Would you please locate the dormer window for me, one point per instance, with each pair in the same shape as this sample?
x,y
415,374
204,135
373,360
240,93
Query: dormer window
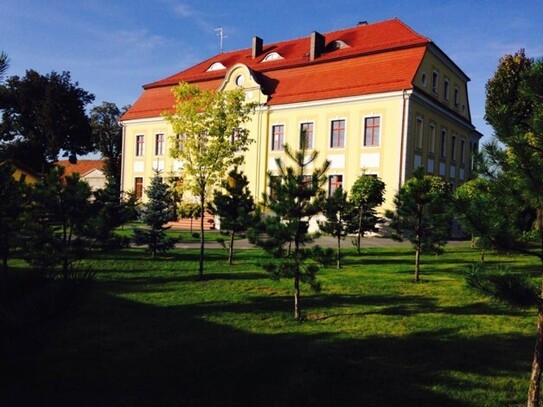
x,y
337,44
217,66
272,56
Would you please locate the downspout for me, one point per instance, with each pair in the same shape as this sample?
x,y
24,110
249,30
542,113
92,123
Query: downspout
x,y
403,139
123,156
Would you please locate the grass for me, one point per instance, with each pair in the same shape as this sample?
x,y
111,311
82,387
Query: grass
x,y
150,333
184,235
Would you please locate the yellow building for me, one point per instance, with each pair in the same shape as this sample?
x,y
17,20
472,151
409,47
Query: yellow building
x,y
22,172
378,98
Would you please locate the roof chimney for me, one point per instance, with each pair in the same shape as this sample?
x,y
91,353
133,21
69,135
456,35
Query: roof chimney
x,y
317,45
258,45
362,23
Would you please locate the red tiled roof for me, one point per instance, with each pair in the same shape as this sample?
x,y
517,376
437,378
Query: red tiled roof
x,y
83,167
380,57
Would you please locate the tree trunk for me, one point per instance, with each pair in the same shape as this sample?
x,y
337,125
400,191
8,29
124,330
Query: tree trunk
x,y
535,377
231,249
338,254
417,264
359,236
202,207
297,307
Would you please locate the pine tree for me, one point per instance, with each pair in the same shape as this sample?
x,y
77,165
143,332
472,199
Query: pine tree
x,y
512,170
156,213
366,193
12,205
293,202
340,219
235,207
59,212
422,214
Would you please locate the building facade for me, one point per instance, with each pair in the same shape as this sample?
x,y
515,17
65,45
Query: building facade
x,y
376,98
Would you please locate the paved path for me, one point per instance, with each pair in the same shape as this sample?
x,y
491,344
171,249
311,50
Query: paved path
x,y
323,241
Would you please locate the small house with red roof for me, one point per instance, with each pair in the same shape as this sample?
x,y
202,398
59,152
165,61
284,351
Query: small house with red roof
x,y
91,171
376,98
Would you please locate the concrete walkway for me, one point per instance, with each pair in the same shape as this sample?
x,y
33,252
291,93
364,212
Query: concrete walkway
x,y
323,241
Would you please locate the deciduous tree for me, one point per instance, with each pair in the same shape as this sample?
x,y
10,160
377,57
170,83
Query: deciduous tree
x,y
366,194
210,140
43,115
340,219
107,133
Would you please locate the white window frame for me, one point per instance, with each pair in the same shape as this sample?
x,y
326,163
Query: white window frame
x,y
330,133
281,147
312,146
371,116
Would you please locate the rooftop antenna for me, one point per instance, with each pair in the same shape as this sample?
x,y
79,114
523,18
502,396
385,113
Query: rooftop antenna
x,y
220,33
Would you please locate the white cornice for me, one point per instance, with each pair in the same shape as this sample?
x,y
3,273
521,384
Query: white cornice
x,y
438,106
142,121
340,101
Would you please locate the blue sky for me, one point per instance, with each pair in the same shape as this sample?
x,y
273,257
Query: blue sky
x,y
113,47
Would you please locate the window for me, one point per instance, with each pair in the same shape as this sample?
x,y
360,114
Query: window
x,y
273,181
307,129
308,180
334,182
217,66
179,142
453,147
278,137
140,145
432,139
138,187
159,144
419,132
456,96
372,131
337,134
435,82
443,143
272,56
462,147
446,89
234,137
423,79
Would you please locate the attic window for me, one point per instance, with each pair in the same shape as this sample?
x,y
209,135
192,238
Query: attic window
x,y
272,56
337,44
217,66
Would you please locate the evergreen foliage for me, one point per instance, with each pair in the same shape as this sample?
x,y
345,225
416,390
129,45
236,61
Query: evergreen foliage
x,y
293,201
235,207
512,168
156,213
12,204
422,214
58,214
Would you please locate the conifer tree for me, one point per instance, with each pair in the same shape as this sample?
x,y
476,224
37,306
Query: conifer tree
x,y
12,205
340,219
366,194
422,214
512,170
57,217
235,207
156,213
293,202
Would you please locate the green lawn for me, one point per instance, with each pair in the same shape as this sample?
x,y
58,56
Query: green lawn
x,y
150,333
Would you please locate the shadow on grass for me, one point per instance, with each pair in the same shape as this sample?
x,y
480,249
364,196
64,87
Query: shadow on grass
x,y
123,353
